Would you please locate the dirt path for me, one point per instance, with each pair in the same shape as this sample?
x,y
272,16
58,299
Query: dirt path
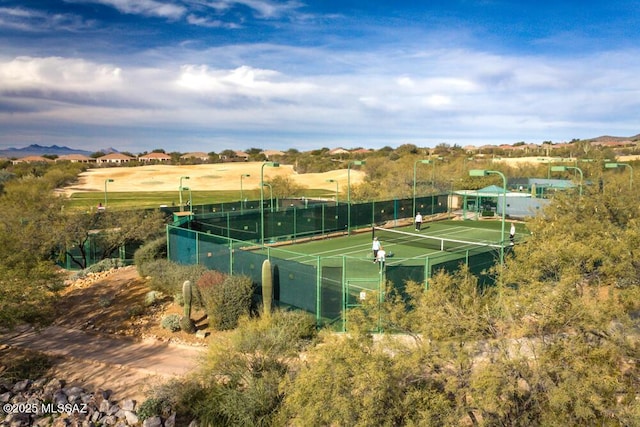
x,y
122,365
102,346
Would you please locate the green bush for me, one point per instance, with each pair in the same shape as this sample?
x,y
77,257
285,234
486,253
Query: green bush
x,y
171,322
154,407
104,265
150,251
168,277
227,302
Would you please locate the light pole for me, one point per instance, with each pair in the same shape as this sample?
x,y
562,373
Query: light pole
x,y
180,190
566,168
357,163
105,190
622,165
433,171
270,196
244,175
190,199
336,181
483,172
415,164
273,165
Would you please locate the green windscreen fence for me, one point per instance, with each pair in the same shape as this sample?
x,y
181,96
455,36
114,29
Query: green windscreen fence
x,y
280,223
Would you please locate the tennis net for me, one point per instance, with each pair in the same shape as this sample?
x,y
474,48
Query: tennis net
x,y
400,237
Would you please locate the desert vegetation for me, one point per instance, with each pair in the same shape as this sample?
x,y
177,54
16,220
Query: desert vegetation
x,y
554,342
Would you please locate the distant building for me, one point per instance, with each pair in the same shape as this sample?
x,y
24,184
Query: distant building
x,y
155,157
238,156
361,151
75,158
198,155
338,150
31,159
116,158
270,154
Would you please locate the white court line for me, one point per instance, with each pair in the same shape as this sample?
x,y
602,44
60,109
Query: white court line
x,y
339,251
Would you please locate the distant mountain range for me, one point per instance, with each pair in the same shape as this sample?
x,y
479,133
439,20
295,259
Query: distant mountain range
x,y
39,150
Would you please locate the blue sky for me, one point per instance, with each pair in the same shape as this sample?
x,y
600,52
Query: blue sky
x,y
208,75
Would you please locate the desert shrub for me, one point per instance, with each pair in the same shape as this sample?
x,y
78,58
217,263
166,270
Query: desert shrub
x,y
282,333
167,276
104,265
249,367
135,310
226,303
152,298
185,396
154,407
28,366
171,322
150,251
105,301
210,280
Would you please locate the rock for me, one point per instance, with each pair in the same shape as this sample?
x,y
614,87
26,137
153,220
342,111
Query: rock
x,y
97,409
128,404
104,406
73,391
202,334
171,421
59,398
131,417
153,422
21,386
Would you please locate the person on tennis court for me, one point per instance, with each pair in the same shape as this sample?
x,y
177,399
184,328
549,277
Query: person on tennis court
x,y
418,221
512,233
381,256
375,247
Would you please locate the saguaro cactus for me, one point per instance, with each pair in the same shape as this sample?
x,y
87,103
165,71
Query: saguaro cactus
x,y
267,287
186,324
187,296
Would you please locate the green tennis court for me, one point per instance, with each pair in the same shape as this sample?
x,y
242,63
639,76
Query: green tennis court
x,y
437,243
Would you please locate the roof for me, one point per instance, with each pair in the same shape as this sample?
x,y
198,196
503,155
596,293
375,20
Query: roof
x,y
195,154
32,159
115,156
76,157
338,151
543,182
268,153
155,156
491,191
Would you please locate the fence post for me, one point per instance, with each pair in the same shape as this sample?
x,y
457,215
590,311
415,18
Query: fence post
x,y
318,292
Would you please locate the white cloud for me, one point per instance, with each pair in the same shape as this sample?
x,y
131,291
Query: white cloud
x,y
456,96
55,73
265,9
242,81
31,20
146,8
